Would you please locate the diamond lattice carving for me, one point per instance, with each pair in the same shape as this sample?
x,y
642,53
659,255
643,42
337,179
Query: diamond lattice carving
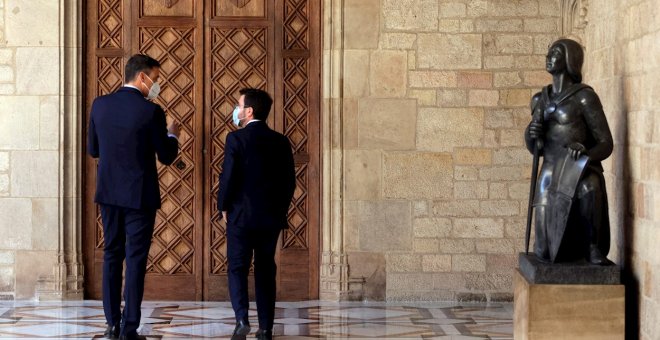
x,y
238,60
110,75
109,23
296,103
172,250
296,235
296,25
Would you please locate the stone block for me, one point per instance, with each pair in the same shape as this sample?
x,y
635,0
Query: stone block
x,y
500,173
388,73
436,263
452,98
409,281
537,78
471,190
453,10
424,97
543,41
449,25
449,51
468,156
387,123
501,263
544,25
362,174
397,263
467,26
466,173
516,8
456,246
477,80
495,25
456,208
477,8
499,208
518,97
507,79
7,89
49,123
489,281
498,62
401,175
497,246
350,121
511,44
397,41
385,226
442,129
4,185
519,191
498,118
34,174
449,281
33,77
30,266
510,156
6,74
431,227
512,137
356,73
498,191
370,266
45,227
420,209
6,56
20,121
6,279
550,311
478,228
468,263
483,98
6,257
16,223
410,15
532,62
21,28
432,79
425,245
358,32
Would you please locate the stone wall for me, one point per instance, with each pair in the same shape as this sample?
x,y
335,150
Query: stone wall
x,y
623,65
29,144
436,178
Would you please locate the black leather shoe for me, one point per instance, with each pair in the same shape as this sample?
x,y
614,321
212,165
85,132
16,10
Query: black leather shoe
x,y
135,337
264,334
242,329
112,332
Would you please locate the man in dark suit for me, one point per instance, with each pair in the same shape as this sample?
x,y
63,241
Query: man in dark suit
x,y
126,132
256,188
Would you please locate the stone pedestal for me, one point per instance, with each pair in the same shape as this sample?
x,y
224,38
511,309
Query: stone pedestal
x,y
567,311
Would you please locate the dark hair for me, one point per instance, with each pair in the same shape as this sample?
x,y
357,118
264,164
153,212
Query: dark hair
x,y
259,100
574,56
139,63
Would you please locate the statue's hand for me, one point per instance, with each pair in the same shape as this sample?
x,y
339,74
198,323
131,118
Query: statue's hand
x,y
576,150
536,130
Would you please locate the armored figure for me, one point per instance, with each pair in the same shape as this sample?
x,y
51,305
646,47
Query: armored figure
x,y
570,132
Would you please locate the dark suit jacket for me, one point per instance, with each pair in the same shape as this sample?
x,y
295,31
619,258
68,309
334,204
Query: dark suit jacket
x,y
258,178
126,132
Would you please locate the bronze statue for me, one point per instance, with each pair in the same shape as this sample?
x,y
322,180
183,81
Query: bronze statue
x,y
570,132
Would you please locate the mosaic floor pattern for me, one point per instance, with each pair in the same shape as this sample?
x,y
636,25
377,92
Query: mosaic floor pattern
x,y
293,320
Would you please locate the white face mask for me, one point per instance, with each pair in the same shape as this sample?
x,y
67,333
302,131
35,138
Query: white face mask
x,y
154,90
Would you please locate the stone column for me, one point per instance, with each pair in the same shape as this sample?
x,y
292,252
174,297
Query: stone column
x,y
66,282
335,283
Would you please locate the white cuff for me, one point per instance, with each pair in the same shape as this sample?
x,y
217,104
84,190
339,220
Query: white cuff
x,y
173,136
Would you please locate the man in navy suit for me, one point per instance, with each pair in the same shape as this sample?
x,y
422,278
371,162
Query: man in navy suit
x,y
256,188
126,132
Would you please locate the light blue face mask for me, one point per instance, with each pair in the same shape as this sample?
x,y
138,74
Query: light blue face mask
x,y
234,117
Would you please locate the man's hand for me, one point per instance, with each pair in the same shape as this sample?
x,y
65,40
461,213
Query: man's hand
x,y
174,129
224,216
536,130
576,150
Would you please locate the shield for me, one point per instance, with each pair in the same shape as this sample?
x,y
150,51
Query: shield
x,y
566,176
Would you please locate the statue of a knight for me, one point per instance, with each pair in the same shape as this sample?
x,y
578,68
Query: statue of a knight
x,y
571,134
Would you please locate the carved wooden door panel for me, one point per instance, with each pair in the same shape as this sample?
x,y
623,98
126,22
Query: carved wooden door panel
x,y
209,50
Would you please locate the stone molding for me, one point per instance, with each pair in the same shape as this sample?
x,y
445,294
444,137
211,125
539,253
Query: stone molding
x,y
574,19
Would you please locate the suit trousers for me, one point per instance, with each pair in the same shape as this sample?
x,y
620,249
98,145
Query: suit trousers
x,y
127,234
241,244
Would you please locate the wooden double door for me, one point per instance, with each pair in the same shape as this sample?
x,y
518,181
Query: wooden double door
x,y
209,50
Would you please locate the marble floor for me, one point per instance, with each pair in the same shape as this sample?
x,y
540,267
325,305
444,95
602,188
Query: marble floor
x,y
294,320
